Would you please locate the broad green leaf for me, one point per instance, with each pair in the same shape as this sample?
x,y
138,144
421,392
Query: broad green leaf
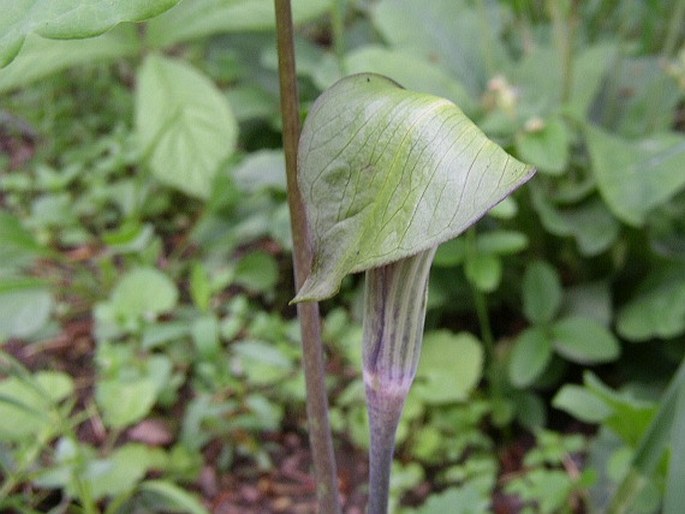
x,y
185,126
387,173
414,73
450,32
658,309
463,500
121,471
25,307
205,333
257,271
450,253
653,99
634,177
123,402
585,341
590,300
18,247
550,489
501,242
630,416
143,293
530,356
40,57
449,368
174,495
582,404
589,223
484,271
542,293
546,147
263,169
68,19
194,19
26,404
262,363
538,79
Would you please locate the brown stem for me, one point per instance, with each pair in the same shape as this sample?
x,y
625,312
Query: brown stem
x,y
320,438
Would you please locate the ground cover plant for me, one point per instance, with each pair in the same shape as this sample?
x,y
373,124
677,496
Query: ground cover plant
x,y
150,360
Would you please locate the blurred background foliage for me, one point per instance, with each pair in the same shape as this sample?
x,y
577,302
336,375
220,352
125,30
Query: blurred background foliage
x,y
148,355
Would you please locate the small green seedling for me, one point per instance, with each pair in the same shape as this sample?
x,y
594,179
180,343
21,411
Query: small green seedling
x,y
387,175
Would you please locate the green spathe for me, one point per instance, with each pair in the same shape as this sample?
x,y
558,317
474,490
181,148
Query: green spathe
x,y
386,173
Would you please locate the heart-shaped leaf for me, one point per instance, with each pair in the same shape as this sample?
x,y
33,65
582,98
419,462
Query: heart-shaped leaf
x,y
185,125
386,173
634,177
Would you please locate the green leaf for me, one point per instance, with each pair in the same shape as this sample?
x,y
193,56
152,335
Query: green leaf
x,y
658,309
654,96
184,123
387,173
19,248
200,286
501,242
121,471
675,492
634,177
68,19
449,32
463,500
261,362
40,57
484,271
584,340
263,169
546,147
125,402
630,416
177,497
257,271
414,73
25,307
550,489
143,293
542,293
589,223
450,253
200,18
450,367
589,300
582,404
538,79
205,333
530,356
26,404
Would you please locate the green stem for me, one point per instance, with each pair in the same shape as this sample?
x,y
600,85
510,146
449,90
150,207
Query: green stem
x,y
338,10
650,451
480,300
674,29
563,21
320,438
394,315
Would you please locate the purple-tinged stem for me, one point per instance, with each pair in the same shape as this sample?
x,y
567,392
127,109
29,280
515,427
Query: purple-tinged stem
x,y
394,315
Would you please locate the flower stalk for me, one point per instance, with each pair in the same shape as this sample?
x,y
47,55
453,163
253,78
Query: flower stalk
x,y
394,315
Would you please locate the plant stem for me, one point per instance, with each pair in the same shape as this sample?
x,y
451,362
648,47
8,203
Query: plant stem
x,y
651,448
394,316
338,11
677,19
320,439
563,22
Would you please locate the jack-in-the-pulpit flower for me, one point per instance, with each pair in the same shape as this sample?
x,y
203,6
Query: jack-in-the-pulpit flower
x,y
387,175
